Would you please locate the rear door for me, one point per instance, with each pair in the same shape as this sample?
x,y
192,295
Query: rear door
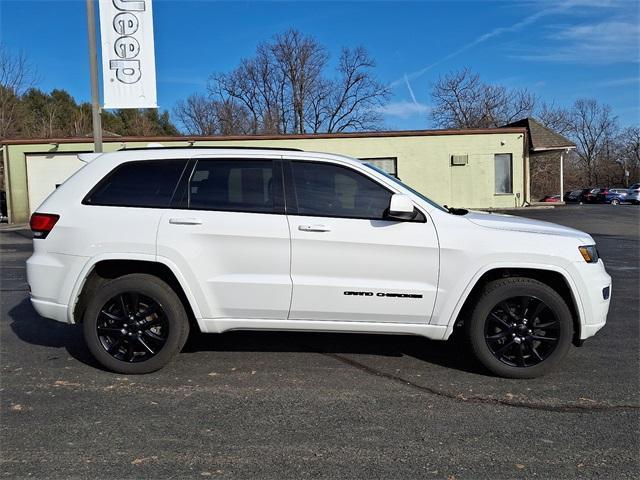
x,y
228,235
348,261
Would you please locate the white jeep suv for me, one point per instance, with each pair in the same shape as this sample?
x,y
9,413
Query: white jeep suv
x,y
141,245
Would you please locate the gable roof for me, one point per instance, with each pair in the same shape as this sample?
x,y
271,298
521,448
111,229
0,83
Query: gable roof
x,y
542,138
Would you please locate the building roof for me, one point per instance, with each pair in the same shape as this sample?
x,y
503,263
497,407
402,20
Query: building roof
x,y
540,137
191,138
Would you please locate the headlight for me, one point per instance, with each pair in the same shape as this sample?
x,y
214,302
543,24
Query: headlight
x,y
589,253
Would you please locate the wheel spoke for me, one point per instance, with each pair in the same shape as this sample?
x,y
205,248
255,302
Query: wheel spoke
x,y
496,337
544,339
125,312
144,344
110,331
537,311
521,355
501,321
129,356
526,301
546,325
149,310
115,346
153,336
535,352
504,348
111,315
508,311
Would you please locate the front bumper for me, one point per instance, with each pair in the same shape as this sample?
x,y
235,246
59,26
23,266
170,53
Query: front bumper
x,y
594,281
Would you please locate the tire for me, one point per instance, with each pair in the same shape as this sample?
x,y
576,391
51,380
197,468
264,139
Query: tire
x,y
150,313
527,350
615,201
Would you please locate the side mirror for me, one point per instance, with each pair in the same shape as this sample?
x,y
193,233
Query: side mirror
x,y
401,207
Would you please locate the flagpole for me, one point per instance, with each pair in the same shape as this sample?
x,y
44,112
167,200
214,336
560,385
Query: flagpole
x,y
93,67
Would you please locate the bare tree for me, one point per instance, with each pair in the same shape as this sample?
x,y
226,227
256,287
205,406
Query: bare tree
x,y
301,59
462,100
593,129
556,118
197,115
284,89
629,154
16,76
354,100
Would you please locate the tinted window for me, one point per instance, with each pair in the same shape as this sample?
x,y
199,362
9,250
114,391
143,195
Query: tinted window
x,y
232,185
139,184
329,190
503,171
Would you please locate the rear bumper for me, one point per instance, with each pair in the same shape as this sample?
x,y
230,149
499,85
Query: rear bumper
x,y
46,309
51,278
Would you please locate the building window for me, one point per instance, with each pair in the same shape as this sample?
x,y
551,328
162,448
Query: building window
x,y
388,164
504,173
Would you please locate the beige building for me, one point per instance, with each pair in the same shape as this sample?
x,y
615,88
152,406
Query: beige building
x,y
482,168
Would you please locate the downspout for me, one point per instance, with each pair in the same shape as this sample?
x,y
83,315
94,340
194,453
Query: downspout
x,y
526,200
7,182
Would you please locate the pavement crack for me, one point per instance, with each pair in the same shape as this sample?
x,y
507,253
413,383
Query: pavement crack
x,y
564,408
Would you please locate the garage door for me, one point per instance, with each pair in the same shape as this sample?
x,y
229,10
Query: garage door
x,y
45,172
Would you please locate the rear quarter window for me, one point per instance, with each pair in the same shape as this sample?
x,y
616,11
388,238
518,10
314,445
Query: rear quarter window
x,y
138,184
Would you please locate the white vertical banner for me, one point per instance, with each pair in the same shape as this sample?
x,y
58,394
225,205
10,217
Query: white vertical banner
x,y
128,57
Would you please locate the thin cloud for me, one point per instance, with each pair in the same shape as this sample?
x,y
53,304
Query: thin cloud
x,y
553,10
404,109
611,41
619,82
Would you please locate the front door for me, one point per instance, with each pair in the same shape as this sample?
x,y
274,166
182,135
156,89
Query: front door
x,y
229,236
348,261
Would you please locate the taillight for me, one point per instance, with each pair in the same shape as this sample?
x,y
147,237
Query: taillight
x,y
42,223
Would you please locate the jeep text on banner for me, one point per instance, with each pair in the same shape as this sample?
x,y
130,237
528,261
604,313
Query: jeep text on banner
x,y
128,59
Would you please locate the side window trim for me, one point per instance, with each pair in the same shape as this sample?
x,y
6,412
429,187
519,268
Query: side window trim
x,y
292,199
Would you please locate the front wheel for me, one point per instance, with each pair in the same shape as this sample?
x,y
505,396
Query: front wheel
x,y
615,201
135,324
520,328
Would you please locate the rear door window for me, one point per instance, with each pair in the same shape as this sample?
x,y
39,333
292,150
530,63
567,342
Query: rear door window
x,y
139,184
232,185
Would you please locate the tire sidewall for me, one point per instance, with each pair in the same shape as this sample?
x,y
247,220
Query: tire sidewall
x,y
160,292
508,288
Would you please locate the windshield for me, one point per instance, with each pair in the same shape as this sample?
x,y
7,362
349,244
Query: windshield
x,y
415,192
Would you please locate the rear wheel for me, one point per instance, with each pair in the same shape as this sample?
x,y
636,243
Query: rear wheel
x,y
615,201
520,328
135,324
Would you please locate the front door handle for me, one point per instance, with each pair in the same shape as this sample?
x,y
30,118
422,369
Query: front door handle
x,y
185,221
313,228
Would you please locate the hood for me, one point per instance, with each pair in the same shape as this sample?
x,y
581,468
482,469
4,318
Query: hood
x,y
520,224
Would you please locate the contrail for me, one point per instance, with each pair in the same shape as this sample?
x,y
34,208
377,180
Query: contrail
x,y
484,37
413,97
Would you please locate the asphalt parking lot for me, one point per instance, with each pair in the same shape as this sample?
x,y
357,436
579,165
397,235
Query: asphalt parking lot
x,y
285,405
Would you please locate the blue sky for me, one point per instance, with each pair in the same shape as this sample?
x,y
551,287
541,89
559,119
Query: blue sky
x,y
559,50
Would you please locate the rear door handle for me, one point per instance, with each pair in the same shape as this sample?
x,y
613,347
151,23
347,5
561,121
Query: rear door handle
x,y
313,228
185,221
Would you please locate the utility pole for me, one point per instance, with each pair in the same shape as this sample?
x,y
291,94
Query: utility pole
x,y
93,67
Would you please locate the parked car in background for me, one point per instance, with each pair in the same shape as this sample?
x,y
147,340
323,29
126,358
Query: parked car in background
x,y
614,196
633,194
589,195
574,196
550,199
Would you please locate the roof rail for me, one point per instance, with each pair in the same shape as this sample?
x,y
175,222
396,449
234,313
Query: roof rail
x,y
209,147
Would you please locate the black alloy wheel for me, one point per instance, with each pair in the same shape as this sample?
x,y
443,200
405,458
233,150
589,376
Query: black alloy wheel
x,y
132,327
522,331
